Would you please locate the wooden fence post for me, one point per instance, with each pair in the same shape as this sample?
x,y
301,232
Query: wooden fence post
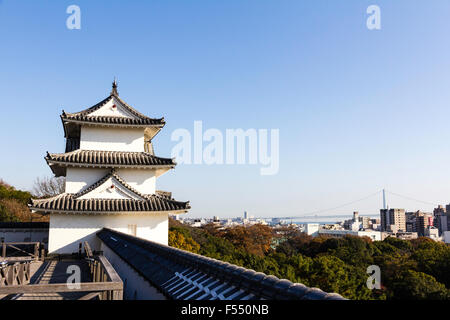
x,y
36,251
42,253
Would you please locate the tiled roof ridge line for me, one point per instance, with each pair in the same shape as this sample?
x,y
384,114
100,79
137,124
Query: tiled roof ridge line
x,y
133,110
51,156
90,109
33,201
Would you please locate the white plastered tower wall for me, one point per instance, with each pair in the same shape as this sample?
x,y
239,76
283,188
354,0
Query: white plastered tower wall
x,y
96,181
142,180
118,139
68,230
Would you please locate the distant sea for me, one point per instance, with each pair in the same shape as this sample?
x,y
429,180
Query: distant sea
x,y
323,219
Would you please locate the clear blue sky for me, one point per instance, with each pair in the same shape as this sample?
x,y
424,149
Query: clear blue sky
x,y
357,110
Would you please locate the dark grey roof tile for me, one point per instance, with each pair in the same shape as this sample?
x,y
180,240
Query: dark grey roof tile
x,y
110,159
68,203
315,294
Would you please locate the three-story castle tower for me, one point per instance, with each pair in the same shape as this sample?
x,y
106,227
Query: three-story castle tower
x,y
111,173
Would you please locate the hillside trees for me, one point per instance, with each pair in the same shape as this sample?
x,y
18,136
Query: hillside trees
x,y
13,205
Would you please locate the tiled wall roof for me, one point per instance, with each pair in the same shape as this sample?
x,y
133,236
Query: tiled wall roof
x,y
183,275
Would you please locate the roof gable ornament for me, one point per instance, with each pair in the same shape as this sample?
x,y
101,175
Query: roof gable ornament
x,y
131,118
114,91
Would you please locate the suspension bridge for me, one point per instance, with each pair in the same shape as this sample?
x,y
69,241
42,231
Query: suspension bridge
x,y
382,192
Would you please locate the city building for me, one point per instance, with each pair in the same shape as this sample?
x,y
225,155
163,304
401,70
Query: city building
x,y
332,226
358,222
197,222
411,221
312,229
354,223
439,210
446,236
111,173
418,221
441,219
423,221
400,235
393,220
373,235
432,233
366,222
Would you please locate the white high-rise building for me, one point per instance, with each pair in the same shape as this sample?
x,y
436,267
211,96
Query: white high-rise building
x,y
111,173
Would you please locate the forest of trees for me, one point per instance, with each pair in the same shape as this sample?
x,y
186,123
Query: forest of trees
x,y
415,269
13,202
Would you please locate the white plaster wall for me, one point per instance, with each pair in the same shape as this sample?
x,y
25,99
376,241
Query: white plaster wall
x,y
108,110
79,178
143,180
67,231
111,189
135,286
112,139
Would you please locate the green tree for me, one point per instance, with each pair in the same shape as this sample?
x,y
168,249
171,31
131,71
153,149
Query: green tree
x,y
415,285
178,240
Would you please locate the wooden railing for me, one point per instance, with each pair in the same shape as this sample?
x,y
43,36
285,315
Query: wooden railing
x,y
106,283
17,273
16,252
103,272
94,288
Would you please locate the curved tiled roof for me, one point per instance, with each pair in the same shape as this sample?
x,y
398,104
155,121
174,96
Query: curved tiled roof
x,y
108,158
139,120
71,202
67,202
182,275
